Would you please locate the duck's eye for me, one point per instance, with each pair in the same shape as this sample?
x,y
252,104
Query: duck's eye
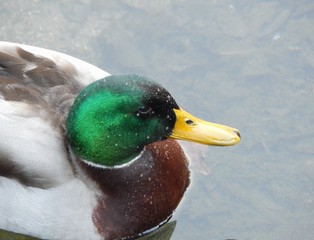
x,y
144,110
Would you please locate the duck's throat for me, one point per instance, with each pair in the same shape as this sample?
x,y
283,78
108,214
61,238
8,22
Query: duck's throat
x,y
113,163
140,195
106,154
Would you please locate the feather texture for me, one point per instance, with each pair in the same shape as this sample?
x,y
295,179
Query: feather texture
x,y
41,186
36,92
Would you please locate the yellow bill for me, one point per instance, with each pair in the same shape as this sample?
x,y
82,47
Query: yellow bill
x,y
190,128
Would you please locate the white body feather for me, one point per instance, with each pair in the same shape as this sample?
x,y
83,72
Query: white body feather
x,y
37,211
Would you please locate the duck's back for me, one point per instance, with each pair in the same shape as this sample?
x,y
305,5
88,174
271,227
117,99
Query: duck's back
x,y
37,88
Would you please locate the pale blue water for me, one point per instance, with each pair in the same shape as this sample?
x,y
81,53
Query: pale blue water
x,y
248,64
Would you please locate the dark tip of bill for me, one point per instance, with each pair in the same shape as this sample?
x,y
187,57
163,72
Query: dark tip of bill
x,y
238,133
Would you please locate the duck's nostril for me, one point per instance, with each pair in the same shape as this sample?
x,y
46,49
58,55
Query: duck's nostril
x,y
189,121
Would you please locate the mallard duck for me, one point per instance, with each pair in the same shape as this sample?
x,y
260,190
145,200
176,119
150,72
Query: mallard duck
x,y
89,155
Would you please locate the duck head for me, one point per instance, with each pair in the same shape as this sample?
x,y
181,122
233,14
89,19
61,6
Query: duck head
x,y
113,119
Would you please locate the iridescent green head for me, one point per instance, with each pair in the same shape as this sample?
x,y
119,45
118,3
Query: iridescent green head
x,y
114,118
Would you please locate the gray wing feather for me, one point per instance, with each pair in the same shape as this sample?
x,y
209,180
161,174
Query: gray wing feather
x,y
37,89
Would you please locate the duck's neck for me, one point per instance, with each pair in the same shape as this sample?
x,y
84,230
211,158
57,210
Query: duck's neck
x,y
141,195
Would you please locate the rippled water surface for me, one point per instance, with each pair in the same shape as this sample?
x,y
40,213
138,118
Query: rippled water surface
x,y
248,64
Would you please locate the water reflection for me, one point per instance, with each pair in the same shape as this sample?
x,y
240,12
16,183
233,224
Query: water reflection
x,y
164,232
